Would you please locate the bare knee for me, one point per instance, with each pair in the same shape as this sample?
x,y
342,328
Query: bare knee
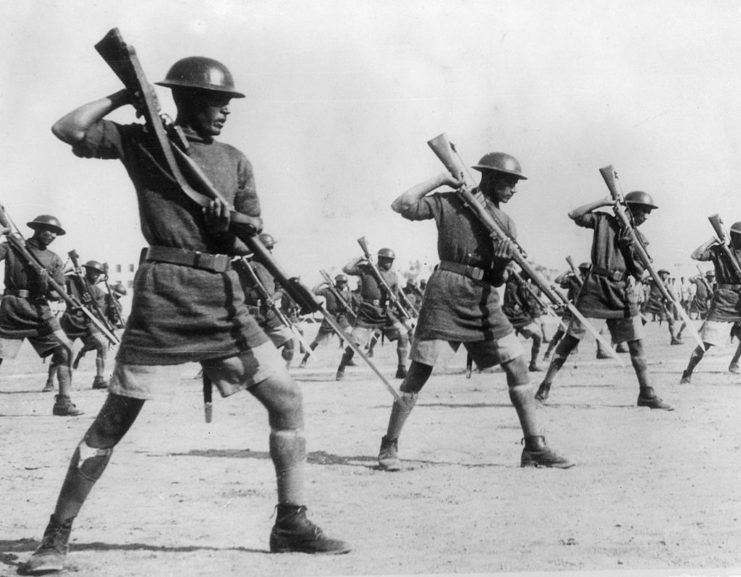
x,y
115,418
516,371
283,400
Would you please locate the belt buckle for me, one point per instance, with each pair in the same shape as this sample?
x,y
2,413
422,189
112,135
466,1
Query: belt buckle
x,y
221,262
616,275
474,272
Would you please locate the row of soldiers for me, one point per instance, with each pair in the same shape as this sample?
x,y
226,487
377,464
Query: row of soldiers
x,y
189,303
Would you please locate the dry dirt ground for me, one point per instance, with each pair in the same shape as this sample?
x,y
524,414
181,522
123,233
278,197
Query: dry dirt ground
x,y
652,492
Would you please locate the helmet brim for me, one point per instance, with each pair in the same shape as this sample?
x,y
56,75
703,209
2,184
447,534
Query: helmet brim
x,y
41,226
482,168
213,88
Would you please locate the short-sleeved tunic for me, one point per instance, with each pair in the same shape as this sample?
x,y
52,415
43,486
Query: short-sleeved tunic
x,y
22,317
180,313
607,294
725,305
456,307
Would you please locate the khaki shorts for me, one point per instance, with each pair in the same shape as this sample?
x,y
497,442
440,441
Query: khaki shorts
x,y
529,330
484,353
229,375
43,345
715,333
361,335
621,330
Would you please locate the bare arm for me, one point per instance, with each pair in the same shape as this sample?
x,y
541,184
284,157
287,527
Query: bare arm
x,y
351,268
72,126
589,207
702,252
417,192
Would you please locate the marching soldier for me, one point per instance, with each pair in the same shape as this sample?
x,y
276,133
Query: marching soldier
x,y
461,302
78,326
375,312
571,283
334,308
188,302
609,291
657,306
725,306
25,311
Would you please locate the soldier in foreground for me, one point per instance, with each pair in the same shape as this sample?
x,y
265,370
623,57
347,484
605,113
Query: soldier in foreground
x,y
188,304
461,302
25,311
725,306
609,292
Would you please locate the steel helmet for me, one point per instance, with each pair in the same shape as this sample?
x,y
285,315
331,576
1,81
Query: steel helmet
x,y
500,162
47,221
94,265
267,240
386,253
663,271
201,72
640,197
340,278
119,289
736,227
584,266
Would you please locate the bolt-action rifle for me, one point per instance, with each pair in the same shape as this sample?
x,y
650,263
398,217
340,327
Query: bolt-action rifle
x,y
622,212
547,307
344,305
396,300
723,242
18,244
173,161
115,305
446,152
87,294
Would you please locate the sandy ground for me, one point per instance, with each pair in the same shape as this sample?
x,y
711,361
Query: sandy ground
x,y
653,492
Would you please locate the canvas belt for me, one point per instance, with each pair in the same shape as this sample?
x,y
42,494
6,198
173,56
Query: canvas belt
x,y
467,270
20,293
732,287
375,302
615,275
191,258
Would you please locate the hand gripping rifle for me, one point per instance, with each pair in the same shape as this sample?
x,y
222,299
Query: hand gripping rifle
x,y
338,296
18,245
122,58
720,232
243,265
406,316
621,212
88,296
445,150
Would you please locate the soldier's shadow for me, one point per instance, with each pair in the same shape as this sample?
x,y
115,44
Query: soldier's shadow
x,y
9,548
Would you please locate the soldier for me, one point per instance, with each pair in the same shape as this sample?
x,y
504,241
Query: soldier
x,y
281,335
725,307
78,326
461,302
519,308
25,312
658,307
335,308
571,283
188,304
113,307
609,291
374,312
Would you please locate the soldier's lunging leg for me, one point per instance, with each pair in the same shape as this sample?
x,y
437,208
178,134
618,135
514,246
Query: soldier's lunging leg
x,y
695,359
563,350
89,460
647,397
417,376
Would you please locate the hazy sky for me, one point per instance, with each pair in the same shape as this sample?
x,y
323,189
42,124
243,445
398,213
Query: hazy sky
x,y
343,95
